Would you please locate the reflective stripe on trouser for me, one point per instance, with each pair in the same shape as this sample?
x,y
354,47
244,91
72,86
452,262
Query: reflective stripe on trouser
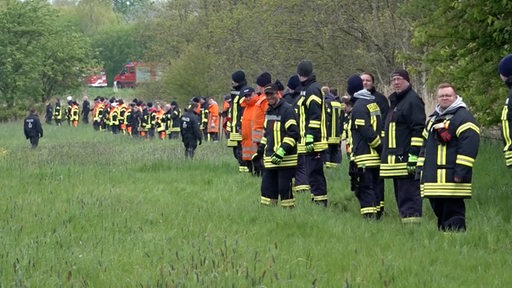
x,y
278,183
301,179
408,199
366,192
316,177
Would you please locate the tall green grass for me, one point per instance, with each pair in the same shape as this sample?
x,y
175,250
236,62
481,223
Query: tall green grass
x,y
92,209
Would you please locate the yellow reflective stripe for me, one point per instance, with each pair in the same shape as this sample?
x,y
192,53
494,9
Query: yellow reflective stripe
x,y
416,141
359,122
441,175
368,210
441,155
375,142
392,135
466,126
288,202
465,160
508,158
447,189
277,135
289,123
268,201
314,123
505,127
289,140
421,161
263,140
312,98
425,133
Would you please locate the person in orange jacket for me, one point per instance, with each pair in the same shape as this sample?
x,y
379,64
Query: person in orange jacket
x,y
213,120
259,117
249,147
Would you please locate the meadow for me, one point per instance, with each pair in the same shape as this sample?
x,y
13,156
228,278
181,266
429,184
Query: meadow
x,y
92,209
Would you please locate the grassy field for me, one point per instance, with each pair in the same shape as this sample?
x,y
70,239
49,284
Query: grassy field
x,y
91,209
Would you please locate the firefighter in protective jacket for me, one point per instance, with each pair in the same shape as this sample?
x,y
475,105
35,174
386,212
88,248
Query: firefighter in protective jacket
x,y
505,70
402,143
452,137
365,129
278,148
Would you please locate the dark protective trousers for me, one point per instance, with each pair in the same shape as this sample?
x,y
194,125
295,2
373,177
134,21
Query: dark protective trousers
x,y
450,212
366,192
190,143
34,141
408,198
332,154
316,177
277,183
301,178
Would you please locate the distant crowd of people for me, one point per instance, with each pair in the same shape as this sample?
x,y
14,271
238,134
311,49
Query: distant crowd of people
x,y
288,133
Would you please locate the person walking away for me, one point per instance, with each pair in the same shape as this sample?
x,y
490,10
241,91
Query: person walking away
x,y
316,142
190,132
32,128
278,148
401,146
445,165
505,70
366,145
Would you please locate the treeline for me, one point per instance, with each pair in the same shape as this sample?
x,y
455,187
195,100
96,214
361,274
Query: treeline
x,y
47,47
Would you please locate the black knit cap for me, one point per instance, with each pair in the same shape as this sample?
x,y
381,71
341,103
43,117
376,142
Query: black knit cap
x,y
305,68
293,82
354,84
238,76
505,66
264,79
402,73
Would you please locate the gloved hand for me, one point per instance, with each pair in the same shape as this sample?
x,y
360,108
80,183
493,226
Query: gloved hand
x,y
259,153
200,141
443,135
411,164
309,143
277,157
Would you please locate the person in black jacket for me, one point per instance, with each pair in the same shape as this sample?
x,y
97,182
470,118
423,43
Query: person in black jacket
x,y
49,112
86,109
293,97
505,70
383,103
402,143
190,132
452,138
32,128
278,148
365,131
315,134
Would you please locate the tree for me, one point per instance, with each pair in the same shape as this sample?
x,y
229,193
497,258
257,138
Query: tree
x,y
23,27
40,57
463,42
